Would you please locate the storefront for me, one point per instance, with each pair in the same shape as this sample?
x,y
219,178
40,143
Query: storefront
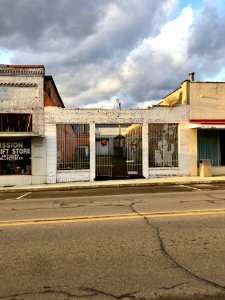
x,y
210,144
15,156
41,141
116,148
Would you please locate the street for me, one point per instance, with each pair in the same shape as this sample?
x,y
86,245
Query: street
x,y
156,242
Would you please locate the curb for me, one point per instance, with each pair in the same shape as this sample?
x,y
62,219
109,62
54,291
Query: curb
x,y
55,187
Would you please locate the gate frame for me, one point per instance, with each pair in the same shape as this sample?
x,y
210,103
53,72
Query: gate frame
x,y
145,157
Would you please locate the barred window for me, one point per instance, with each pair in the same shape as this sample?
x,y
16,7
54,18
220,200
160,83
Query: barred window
x,y
163,145
73,147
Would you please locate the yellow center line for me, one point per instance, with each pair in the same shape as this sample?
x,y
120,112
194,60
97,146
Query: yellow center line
x,y
91,218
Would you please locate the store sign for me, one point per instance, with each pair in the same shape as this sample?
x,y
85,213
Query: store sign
x,y
15,151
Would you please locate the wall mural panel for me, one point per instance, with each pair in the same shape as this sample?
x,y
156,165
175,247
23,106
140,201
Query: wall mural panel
x,y
163,145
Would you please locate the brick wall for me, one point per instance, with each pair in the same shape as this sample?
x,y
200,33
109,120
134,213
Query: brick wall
x,y
51,94
179,114
55,115
21,91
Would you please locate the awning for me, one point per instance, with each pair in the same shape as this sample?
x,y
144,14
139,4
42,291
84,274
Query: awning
x,y
207,124
9,134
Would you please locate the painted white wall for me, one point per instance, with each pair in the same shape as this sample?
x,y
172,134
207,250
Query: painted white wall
x,y
38,160
145,169
22,91
184,157
56,115
179,114
163,172
51,147
92,151
15,180
73,175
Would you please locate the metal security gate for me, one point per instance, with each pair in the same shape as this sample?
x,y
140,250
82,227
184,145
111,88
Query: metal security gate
x,y
118,150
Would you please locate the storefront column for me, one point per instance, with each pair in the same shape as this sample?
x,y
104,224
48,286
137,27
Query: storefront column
x,y
145,168
194,152
38,152
92,152
51,145
185,150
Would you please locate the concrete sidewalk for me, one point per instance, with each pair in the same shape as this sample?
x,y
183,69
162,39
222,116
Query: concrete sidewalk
x,y
115,183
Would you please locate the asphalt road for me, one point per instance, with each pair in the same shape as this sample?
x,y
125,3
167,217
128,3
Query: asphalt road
x,y
127,243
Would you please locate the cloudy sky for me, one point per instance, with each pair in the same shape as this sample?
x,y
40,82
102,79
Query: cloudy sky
x,y
100,50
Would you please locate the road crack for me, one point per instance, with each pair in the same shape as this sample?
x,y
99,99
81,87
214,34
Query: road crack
x,y
119,297
168,256
172,286
89,292
216,198
49,291
73,204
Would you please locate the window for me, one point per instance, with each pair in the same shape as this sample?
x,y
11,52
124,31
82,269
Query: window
x,y
15,122
15,156
211,145
163,145
73,150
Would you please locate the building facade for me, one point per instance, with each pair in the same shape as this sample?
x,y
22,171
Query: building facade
x,y
24,92
98,143
206,101
41,141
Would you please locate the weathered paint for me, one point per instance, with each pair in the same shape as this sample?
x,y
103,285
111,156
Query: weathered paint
x,y
179,114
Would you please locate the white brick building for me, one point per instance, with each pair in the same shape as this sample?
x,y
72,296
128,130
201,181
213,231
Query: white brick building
x,y
43,142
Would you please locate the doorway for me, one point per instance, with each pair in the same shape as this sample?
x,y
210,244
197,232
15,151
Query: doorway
x,y
211,145
118,151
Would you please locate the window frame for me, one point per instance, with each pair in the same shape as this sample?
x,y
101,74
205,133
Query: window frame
x,y
163,145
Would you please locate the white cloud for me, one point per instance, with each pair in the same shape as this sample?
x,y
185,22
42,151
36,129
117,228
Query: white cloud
x,y
107,104
152,64
101,50
5,56
146,104
108,85
173,36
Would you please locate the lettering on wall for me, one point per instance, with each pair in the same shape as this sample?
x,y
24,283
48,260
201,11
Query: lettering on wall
x,y
13,151
15,157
